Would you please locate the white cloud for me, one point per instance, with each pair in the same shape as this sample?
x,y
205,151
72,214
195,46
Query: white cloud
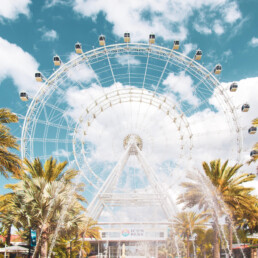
x,y
79,99
18,65
125,59
226,55
61,153
231,13
188,48
167,19
51,3
212,136
247,92
236,29
183,85
114,124
253,42
49,35
202,29
80,73
218,28
11,9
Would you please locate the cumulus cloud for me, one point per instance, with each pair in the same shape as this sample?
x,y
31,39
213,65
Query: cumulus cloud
x,y
231,12
165,18
226,55
226,147
210,128
51,3
48,35
19,65
80,73
247,93
79,99
183,85
202,29
253,42
127,59
188,48
61,153
11,9
214,138
150,123
212,135
218,28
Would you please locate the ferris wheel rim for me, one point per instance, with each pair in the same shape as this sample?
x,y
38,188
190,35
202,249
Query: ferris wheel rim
x,y
50,82
164,104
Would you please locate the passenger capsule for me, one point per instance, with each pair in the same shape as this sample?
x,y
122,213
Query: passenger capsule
x,y
57,60
198,55
252,130
24,96
218,69
127,37
152,39
176,45
102,40
245,108
233,87
39,77
78,48
254,153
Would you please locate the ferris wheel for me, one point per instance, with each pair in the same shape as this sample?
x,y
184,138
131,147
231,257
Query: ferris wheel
x,y
130,116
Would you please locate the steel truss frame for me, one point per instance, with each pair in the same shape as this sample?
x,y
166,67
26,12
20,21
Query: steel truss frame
x,y
117,97
134,49
105,195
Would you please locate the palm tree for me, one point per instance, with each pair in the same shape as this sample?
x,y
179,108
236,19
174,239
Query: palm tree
x,y
247,219
42,198
9,162
229,188
5,218
74,237
51,171
204,241
88,229
39,205
187,222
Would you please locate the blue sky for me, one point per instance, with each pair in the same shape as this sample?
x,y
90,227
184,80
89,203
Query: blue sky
x,y
32,32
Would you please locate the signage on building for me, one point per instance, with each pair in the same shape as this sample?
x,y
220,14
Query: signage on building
x,y
125,232
132,233
33,240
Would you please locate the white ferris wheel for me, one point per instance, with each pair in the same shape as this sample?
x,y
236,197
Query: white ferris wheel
x,y
130,117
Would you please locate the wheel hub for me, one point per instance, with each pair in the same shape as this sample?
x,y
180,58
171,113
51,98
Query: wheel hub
x,y
132,140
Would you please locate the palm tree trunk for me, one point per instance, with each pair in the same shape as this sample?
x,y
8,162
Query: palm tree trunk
x,y
8,237
29,254
188,246
204,253
230,235
216,249
44,243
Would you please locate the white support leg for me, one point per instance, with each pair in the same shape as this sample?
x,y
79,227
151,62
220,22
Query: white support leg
x,y
95,208
167,204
